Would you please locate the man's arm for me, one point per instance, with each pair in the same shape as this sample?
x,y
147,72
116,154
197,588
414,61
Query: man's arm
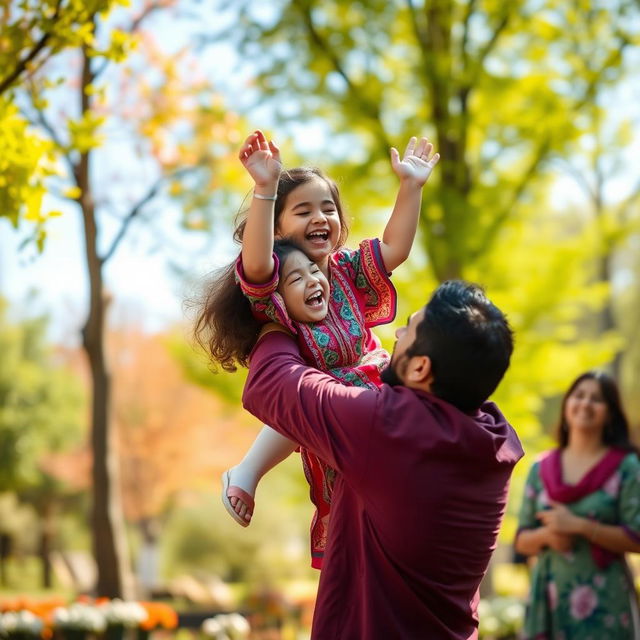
x,y
308,406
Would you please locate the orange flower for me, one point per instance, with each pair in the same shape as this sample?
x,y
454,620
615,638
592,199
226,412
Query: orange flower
x,y
159,615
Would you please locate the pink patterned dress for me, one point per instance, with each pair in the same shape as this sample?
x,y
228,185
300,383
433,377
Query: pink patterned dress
x,y
361,296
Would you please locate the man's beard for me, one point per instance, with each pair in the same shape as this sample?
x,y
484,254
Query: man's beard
x,y
390,377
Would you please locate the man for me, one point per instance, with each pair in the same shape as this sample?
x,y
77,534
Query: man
x,y
424,466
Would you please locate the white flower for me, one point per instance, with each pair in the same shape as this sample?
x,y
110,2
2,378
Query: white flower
x,y
227,626
23,622
80,616
8,622
127,614
212,628
237,627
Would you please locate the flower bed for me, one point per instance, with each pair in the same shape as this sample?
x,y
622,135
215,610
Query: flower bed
x,y
106,619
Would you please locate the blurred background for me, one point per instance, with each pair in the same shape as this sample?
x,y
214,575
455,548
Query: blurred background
x,y
120,123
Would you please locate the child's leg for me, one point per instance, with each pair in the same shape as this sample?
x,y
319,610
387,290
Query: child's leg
x,y
267,450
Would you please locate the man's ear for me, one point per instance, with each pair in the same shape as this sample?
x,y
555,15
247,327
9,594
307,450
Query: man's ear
x,y
419,370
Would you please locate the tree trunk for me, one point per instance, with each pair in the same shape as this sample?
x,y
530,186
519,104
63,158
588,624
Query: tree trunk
x,y
5,552
109,541
46,536
607,320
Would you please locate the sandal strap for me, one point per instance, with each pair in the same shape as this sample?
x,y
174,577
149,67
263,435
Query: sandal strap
x,y
237,492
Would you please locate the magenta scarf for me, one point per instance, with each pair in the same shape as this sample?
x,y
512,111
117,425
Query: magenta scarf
x,y
558,491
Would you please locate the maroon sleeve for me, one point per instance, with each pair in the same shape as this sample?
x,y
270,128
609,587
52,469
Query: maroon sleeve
x,y
308,406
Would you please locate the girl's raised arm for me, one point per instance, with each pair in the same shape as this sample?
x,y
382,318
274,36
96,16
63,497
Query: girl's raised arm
x,y
262,160
414,170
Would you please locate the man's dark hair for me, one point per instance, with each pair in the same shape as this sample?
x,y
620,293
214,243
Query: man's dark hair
x,y
469,342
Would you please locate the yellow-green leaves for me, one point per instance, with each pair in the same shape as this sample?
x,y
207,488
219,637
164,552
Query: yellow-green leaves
x,y
84,134
26,160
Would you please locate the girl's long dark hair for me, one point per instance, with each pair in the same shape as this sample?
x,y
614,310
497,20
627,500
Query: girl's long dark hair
x,y
616,431
225,327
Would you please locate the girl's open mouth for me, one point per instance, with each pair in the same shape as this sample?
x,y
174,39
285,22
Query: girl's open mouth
x,y
315,299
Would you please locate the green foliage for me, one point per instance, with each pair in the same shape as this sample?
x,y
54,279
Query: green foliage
x,y
31,33
26,160
202,537
227,386
502,88
40,404
508,92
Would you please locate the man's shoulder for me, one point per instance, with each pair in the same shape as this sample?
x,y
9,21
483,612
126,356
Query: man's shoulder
x,y
435,423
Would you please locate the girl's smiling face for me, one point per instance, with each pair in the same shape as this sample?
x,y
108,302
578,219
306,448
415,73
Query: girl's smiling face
x,y
304,288
310,217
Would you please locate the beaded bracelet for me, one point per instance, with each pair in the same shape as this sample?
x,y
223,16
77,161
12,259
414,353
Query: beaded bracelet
x,y
261,197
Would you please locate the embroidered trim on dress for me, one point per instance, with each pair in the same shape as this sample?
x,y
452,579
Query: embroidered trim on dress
x,y
382,300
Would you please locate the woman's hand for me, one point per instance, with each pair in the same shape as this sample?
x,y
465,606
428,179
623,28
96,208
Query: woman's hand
x,y
262,160
560,542
417,162
560,520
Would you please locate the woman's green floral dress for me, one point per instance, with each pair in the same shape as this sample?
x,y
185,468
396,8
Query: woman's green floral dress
x,y
571,597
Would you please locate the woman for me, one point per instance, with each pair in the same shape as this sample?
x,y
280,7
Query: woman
x,y
580,515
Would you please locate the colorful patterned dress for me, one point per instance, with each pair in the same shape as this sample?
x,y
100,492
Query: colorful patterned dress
x,y
361,296
588,592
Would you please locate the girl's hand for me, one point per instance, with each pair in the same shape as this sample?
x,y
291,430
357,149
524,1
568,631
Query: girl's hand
x,y
262,160
417,162
561,520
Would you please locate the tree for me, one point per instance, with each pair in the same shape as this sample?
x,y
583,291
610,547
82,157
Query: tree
x,y
614,218
499,84
503,89
173,436
102,84
40,414
32,32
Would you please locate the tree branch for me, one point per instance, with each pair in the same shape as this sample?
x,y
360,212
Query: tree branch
x,y
490,45
137,208
491,231
465,35
372,110
418,30
133,27
21,66
581,180
41,119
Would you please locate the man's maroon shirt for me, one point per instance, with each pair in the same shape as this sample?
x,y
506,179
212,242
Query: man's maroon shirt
x,y
416,506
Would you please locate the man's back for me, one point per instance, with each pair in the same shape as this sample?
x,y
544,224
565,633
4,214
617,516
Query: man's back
x,y
417,522
417,504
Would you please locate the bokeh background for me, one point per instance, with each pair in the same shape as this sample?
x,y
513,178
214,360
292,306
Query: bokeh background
x,y
119,183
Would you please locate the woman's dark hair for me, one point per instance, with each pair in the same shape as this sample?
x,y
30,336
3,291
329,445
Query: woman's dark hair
x,y
616,430
225,326
289,180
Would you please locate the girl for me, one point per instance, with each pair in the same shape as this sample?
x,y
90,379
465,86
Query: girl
x,y
304,205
